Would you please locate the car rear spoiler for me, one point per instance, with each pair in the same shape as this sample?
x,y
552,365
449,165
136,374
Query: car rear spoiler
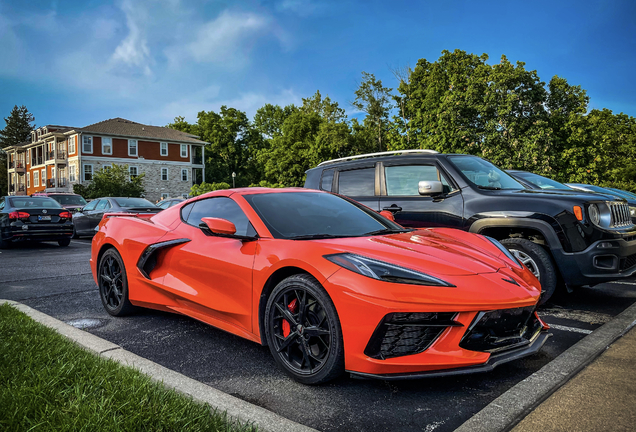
x,y
135,215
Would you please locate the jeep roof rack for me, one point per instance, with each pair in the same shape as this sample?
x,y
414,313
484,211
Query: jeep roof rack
x,y
386,153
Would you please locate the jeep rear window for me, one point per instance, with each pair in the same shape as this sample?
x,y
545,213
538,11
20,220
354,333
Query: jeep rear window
x,y
484,174
326,180
358,182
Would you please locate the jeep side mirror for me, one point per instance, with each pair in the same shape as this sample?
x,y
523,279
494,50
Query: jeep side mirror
x,y
218,226
430,187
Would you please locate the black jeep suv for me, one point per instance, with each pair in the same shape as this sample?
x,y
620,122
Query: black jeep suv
x,y
579,239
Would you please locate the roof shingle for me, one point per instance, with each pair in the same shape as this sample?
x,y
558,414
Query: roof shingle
x,y
120,126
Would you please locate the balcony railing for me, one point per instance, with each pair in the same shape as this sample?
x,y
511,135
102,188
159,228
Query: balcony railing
x,y
197,160
36,161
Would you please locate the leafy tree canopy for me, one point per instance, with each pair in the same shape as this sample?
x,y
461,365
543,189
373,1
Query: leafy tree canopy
x,y
109,182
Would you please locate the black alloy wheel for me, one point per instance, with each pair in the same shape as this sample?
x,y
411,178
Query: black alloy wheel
x,y
113,284
538,261
303,331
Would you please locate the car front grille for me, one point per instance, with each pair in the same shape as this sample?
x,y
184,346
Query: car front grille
x,y
401,334
628,262
620,214
501,330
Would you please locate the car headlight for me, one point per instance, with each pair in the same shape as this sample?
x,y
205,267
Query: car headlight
x,y
632,211
595,214
505,251
384,271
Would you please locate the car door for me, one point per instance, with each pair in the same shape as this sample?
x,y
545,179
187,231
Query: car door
x,y
212,273
399,194
359,183
81,219
95,216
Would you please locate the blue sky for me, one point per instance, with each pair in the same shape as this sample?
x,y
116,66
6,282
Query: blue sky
x,y
79,62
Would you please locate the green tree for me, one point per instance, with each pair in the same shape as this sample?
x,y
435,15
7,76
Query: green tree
x,y
204,187
114,181
374,99
269,119
17,130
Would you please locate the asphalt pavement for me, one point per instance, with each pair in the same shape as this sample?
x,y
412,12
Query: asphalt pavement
x,y
57,281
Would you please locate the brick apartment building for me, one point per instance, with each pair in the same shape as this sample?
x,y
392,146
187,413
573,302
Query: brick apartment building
x,y
57,157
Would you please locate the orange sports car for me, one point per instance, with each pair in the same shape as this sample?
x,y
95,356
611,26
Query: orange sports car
x,y
327,283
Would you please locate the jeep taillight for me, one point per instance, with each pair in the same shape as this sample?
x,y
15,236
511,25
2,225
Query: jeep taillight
x,y
66,215
18,215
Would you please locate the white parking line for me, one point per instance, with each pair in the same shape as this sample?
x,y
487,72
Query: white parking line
x,y
569,329
576,315
623,283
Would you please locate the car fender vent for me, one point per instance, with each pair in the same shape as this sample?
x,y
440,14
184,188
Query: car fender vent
x,y
400,334
148,259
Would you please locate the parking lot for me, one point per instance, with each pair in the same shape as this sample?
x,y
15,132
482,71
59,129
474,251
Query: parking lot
x,y
57,281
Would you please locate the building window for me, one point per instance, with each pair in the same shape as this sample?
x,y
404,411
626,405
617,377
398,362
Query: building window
x,y
133,172
132,147
52,173
184,150
71,173
36,178
88,172
43,176
29,179
184,174
164,173
164,149
71,144
87,144
107,146
106,167
164,196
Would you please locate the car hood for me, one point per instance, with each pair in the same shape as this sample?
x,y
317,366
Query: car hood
x,y
438,251
557,194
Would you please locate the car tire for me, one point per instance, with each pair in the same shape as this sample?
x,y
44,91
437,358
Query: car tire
x,y
303,330
113,284
4,244
538,261
64,242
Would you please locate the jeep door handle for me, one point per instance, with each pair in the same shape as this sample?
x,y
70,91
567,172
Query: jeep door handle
x,y
393,208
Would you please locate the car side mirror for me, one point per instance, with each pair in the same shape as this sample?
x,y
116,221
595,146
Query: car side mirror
x,y
387,214
430,187
218,226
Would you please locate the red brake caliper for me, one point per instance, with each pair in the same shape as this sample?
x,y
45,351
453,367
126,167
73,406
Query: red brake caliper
x,y
293,307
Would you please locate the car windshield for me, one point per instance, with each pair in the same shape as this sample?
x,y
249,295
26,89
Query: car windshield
x,y
34,202
69,200
484,174
290,215
542,182
133,202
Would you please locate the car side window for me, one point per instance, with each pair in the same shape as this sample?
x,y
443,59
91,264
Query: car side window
x,y
403,180
326,180
357,182
102,205
1,203
221,207
91,205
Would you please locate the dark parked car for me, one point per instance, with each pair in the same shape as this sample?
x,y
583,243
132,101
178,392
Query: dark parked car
x,y
34,218
579,238
169,202
69,201
88,217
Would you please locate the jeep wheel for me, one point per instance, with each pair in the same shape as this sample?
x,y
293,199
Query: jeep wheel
x,y
538,261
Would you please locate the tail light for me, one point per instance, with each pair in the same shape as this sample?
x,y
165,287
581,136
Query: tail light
x,y
19,215
66,215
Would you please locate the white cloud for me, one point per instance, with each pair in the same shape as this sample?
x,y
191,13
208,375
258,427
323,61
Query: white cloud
x,y
226,40
133,50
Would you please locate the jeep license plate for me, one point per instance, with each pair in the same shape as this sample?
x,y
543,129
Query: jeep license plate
x,y
43,218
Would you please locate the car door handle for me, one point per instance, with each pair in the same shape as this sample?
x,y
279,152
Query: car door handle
x,y
393,208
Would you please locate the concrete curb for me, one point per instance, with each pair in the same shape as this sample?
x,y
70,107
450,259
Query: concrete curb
x,y
236,409
510,408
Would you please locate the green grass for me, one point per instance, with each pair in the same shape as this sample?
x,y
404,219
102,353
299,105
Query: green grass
x,y
49,383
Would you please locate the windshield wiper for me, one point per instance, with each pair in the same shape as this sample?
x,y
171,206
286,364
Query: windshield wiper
x,y
316,237
489,187
387,231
